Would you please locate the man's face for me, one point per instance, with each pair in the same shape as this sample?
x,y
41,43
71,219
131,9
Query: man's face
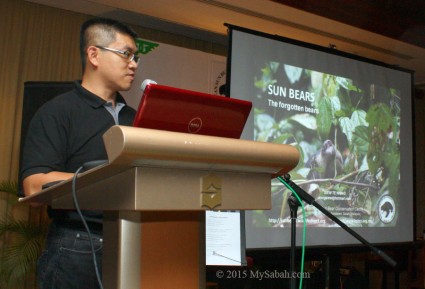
x,y
117,71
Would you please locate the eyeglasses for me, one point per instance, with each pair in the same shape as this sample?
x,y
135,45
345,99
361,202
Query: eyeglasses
x,y
130,56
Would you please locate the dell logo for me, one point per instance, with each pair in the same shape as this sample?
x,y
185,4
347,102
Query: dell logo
x,y
194,125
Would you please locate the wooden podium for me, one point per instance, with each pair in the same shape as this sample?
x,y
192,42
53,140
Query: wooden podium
x,y
154,192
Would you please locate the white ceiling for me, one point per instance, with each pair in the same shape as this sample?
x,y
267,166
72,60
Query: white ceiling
x,y
204,19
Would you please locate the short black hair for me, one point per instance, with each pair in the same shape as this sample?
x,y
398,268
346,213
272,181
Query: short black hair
x,y
101,31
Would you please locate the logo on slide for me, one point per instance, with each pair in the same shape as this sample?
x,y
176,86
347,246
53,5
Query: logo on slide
x,y
386,209
194,125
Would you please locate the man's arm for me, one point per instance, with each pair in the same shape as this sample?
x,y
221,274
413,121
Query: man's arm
x,y
33,183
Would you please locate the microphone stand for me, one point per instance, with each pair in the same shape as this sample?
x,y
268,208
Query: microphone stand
x,y
293,206
304,196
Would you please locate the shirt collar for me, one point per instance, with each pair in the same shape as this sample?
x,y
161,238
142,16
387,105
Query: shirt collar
x,y
92,99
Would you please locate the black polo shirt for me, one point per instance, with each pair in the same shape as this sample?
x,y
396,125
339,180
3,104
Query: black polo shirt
x,y
67,132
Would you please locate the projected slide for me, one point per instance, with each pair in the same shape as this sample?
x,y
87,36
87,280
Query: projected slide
x,y
348,136
351,120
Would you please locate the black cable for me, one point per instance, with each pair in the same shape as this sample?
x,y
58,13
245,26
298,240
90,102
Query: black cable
x,y
77,207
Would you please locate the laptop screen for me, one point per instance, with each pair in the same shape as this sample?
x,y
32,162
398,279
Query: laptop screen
x,y
179,110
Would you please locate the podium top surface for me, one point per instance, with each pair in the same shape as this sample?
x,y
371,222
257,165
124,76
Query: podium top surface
x,y
129,147
132,146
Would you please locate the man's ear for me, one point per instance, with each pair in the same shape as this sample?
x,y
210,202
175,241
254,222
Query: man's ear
x,y
93,56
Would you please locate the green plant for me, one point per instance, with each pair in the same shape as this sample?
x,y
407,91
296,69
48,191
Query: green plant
x,y
21,239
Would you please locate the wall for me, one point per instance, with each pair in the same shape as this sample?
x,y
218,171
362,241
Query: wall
x,y
178,67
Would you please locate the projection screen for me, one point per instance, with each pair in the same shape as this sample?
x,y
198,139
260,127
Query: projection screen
x,y
351,119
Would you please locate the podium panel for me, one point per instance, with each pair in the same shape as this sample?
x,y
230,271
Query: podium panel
x,y
164,189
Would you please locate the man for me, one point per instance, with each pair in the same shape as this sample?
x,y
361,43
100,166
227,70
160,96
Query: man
x,y
67,132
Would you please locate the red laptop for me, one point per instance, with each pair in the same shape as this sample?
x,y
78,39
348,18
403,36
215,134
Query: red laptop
x,y
179,110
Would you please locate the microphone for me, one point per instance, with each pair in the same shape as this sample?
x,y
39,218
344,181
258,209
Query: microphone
x,y
145,83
